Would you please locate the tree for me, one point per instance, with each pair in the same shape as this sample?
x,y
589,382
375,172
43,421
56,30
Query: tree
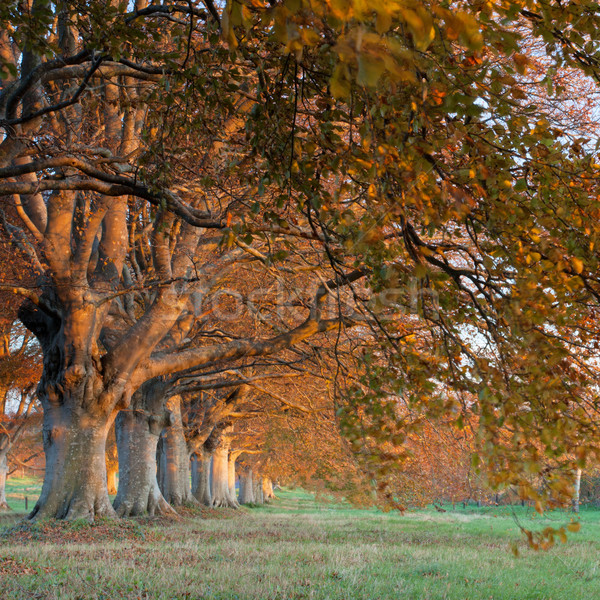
x,y
19,369
451,175
12,427
137,431
79,212
390,145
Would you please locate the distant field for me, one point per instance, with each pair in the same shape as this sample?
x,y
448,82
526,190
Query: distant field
x,y
19,488
296,548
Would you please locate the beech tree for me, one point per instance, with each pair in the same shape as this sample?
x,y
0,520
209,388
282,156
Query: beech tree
x,y
77,212
137,431
390,144
474,183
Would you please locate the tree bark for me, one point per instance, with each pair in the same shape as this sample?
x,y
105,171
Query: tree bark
x,y
247,487
112,464
111,478
220,477
3,393
201,484
258,490
576,491
137,432
75,478
194,468
231,473
3,475
174,460
267,489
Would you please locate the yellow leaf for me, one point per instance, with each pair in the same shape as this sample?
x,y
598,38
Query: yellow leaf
x,y
470,32
420,271
574,526
227,26
370,69
577,265
420,24
340,81
383,22
341,9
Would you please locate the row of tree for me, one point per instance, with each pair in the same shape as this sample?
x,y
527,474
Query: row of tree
x,y
399,198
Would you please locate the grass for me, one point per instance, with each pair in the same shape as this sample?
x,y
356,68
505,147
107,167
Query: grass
x,y
19,488
297,548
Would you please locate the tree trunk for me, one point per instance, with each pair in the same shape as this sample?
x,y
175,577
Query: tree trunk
x,y
3,474
112,463
231,474
201,478
3,393
576,490
240,489
174,460
137,439
194,471
111,478
267,489
220,477
75,478
258,490
247,487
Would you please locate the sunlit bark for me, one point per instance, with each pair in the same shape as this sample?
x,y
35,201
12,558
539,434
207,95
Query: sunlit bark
x,y
267,489
137,432
221,493
174,460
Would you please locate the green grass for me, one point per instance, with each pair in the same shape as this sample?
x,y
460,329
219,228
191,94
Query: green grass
x,y
17,488
297,548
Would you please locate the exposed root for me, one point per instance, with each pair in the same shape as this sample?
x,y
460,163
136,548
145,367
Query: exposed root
x,y
180,501
74,509
154,506
225,503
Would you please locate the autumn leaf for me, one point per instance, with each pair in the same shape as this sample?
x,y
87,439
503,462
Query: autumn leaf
x,y
420,24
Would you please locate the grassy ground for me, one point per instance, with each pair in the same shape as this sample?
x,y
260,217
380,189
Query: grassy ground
x,y
296,548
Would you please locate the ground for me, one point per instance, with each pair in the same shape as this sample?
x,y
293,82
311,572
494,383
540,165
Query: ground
x,y
298,548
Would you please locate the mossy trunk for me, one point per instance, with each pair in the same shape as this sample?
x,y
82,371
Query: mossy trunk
x,y
138,492
201,466
75,478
